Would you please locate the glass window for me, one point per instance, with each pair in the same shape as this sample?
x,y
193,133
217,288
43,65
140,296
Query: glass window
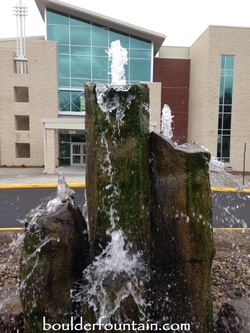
x,y
78,22
64,138
64,100
140,70
78,137
58,33
82,56
229,62
136,43
64,149
115,35
71,101
225,108
223,148
63,66
75,101
63,49
80,67
100,67
80,50
54,17
79,83
99,51
100,37
140,53
80,36
64,82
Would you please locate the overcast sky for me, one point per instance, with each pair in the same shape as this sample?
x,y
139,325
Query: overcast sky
x,y
182,21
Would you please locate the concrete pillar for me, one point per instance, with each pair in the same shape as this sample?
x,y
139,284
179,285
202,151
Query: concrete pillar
x,y
50,151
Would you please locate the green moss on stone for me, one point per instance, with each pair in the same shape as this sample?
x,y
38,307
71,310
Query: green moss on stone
x,y
121,148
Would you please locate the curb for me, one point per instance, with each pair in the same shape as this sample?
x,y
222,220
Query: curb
x,y
11,229
229,189
16,186
231,229
51,185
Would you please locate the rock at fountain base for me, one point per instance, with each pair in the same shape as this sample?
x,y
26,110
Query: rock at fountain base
x,y
54,254
11,313
234,317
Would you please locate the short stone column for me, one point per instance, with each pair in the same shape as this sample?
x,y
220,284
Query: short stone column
x,y
181,234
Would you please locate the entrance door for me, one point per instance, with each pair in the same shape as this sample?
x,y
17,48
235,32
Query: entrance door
x,y
78,154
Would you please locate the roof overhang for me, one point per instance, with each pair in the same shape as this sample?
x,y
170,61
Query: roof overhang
x,y
156,38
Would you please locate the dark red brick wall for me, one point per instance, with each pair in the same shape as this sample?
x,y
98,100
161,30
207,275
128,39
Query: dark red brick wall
x,y
174,76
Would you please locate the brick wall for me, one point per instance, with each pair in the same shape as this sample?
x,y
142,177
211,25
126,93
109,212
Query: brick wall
x,y
174,76
41,83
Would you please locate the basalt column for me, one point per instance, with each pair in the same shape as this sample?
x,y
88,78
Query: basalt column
x,y
117,175
118,191
181,234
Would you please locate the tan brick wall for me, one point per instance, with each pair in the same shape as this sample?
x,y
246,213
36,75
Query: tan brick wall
x,y
205,56
50,151
155,105
41,81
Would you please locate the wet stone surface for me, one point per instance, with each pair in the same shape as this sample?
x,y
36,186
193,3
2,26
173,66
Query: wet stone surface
x,y
230,273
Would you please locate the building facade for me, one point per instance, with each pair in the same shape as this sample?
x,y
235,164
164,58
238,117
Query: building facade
x,y
219,99
209,83
26,98
42,108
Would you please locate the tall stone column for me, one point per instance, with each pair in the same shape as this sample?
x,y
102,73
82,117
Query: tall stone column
x,y
117,170
118,201
181,234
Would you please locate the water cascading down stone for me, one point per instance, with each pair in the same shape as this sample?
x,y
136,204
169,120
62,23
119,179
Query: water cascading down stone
x,y
118,186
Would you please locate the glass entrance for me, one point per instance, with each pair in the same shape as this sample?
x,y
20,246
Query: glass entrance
x,y
78,153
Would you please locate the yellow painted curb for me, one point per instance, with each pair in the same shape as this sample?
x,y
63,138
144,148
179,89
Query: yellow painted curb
x,y
229,189
10,229
239,229
223,189
52,185
246,190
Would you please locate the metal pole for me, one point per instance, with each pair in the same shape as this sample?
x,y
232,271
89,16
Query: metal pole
x,y
244,163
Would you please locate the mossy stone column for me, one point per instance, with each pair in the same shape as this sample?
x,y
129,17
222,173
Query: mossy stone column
x,y
181,233
117,169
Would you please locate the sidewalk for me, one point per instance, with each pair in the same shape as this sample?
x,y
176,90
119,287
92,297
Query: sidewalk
x,y
75,176
35,177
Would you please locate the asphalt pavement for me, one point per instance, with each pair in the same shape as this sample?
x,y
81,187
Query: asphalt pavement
x,y
35,178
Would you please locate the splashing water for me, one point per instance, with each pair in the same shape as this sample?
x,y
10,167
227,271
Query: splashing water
x,y
166,122
114,268
108,104
64,192
219,177
113,276
119,57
